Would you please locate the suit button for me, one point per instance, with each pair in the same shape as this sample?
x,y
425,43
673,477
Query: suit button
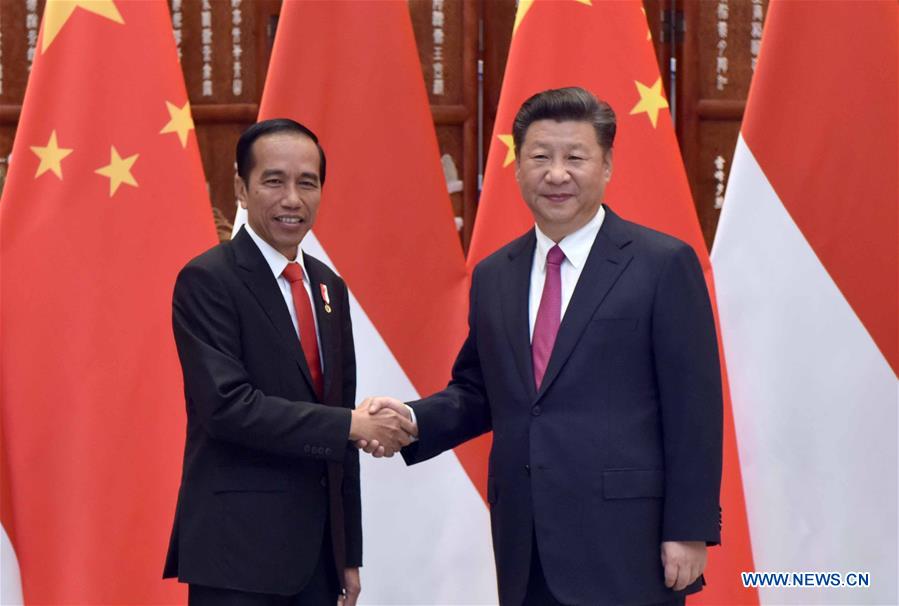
x,y
324,482
527,469
307,448
536,410
327,451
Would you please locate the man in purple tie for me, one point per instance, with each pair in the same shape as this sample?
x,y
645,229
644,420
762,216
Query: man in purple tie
x,y
592,356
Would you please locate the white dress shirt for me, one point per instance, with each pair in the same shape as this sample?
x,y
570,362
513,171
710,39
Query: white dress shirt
x,y
277,262
576,247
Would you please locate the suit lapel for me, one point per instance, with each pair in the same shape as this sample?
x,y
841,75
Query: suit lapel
x,y
515,293
257,275
328,326
607,260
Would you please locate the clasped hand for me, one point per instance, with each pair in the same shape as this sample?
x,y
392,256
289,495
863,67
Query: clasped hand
x,y
381,426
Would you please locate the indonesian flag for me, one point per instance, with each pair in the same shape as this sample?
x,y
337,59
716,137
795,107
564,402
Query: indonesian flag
x,y
104,202
605,46
805,261
350,72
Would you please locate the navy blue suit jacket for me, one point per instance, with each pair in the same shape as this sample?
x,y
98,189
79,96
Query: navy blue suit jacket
x,y
620,449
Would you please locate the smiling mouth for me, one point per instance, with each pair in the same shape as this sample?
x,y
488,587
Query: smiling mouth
x,y
290,220
558,197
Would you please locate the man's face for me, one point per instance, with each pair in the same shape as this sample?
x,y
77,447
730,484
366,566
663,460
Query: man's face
x,y
283,190
562,172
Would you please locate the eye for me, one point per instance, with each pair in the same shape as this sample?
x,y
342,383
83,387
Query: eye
x,y
307,184
272,181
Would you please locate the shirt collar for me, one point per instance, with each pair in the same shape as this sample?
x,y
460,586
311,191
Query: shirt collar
x,y
575,245
276,261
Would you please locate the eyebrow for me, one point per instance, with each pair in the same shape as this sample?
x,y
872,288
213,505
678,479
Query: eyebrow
x,y
551,143
571,148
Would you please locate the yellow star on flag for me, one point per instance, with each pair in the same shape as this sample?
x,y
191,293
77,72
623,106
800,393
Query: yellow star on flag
x,y
51,156
525,5
57,13
118,170
510,149
651,100
180,121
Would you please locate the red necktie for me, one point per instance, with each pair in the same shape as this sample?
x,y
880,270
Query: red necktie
x,y
308,341
549,314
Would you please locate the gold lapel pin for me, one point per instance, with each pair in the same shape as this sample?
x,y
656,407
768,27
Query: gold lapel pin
x,y
325,297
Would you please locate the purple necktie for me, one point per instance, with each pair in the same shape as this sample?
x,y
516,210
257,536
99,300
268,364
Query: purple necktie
x,y
549,314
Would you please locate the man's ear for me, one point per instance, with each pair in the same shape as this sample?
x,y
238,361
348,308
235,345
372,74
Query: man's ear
x,y
607,169
240,191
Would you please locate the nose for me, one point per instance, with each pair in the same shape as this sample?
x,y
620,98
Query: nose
x,y
292,198
557,173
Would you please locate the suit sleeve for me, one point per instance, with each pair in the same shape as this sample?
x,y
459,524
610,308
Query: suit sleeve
x,y
218,387
352,499
688,373
461,411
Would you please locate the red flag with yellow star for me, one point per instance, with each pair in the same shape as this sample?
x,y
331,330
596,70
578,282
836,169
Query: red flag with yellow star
x,y
104,202
605,46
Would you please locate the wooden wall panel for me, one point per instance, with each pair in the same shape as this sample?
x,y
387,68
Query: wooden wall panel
x,y
224,48
720,42
446,36
727,23
19,22
440,36
18,32
716,151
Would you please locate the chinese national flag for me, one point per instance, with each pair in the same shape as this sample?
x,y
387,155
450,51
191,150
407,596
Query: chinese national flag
x,y
104,202
605,47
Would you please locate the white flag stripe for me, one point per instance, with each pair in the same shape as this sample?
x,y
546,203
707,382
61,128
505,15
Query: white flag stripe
x,y
10,580
426,529
814,400
240,217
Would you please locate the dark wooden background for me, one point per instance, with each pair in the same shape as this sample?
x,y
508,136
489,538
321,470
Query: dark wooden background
x,y
709,43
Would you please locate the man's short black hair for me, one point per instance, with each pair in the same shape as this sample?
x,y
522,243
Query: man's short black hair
x,y
563,104
245,159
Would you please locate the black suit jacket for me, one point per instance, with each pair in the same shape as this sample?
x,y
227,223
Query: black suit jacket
x,y
620,449
265,463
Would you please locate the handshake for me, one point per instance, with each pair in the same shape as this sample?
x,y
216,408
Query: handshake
x,y
381,426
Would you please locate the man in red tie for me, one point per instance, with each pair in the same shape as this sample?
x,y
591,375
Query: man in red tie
x,y
592,356
268,510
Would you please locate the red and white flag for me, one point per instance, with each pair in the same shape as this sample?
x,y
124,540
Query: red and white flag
x,y
105,201
605,46
350,71
805,262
